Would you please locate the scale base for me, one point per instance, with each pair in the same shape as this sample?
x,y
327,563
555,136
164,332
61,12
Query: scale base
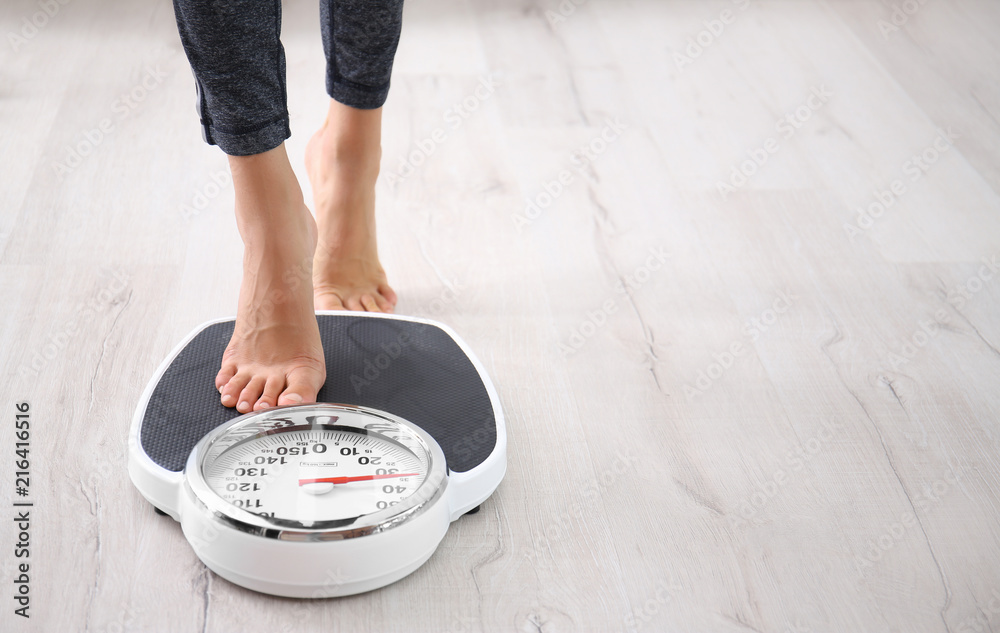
x,y
336,588
417,369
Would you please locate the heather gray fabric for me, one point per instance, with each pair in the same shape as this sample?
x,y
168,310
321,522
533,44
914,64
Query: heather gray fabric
x,y
239,63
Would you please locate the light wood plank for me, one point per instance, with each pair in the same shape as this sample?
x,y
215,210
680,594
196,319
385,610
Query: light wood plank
x,y
840,473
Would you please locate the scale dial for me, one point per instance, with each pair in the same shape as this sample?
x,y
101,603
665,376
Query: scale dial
x,y
316,472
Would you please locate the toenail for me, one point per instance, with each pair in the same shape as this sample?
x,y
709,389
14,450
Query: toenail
x,y
294,397
264,405
227,399
243,404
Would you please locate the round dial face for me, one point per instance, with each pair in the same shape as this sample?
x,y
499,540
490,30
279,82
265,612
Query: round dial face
x,y
318,467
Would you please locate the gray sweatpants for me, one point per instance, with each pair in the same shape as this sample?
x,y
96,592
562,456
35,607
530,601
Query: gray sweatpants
x,y
239,63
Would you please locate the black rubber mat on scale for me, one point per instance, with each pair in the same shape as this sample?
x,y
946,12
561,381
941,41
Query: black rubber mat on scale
x,y
413,370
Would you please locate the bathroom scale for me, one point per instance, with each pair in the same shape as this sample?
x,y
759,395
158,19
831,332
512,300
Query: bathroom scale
x,y
328,499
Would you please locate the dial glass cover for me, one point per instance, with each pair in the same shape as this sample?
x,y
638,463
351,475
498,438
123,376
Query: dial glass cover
x,y
317,466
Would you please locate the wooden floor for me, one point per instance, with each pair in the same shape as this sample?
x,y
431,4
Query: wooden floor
x,y
734,267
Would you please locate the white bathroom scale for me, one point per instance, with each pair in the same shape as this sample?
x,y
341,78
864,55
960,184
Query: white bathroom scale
x,y
329,499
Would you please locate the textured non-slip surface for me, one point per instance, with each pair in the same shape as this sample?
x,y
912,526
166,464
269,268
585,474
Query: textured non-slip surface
x,y
413,370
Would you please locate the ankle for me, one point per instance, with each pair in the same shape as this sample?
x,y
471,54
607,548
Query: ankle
x,y
348,156
272,165
267,192
351,139
267,177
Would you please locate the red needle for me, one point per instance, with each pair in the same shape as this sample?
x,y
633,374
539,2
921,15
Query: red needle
x,y
347,480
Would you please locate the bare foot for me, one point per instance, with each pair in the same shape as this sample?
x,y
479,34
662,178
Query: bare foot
x,y
342,160
275,356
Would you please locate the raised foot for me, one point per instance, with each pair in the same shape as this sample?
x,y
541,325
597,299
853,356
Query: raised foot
x,y
342,160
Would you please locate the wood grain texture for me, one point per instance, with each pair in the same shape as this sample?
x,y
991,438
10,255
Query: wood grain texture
x,y
749,409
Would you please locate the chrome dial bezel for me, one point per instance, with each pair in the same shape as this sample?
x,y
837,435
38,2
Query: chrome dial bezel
x,y
294,418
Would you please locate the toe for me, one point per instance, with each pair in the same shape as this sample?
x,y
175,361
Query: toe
x,y
225,375
251,393
271,391
328,301
389,294
383,304
354,303
369,304
303,385
233,388
288,397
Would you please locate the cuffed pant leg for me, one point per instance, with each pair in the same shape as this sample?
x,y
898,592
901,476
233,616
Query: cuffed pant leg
x,y
360,39
239,66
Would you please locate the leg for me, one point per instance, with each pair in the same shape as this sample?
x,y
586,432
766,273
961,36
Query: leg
x,y
239,68
275,355
342,158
